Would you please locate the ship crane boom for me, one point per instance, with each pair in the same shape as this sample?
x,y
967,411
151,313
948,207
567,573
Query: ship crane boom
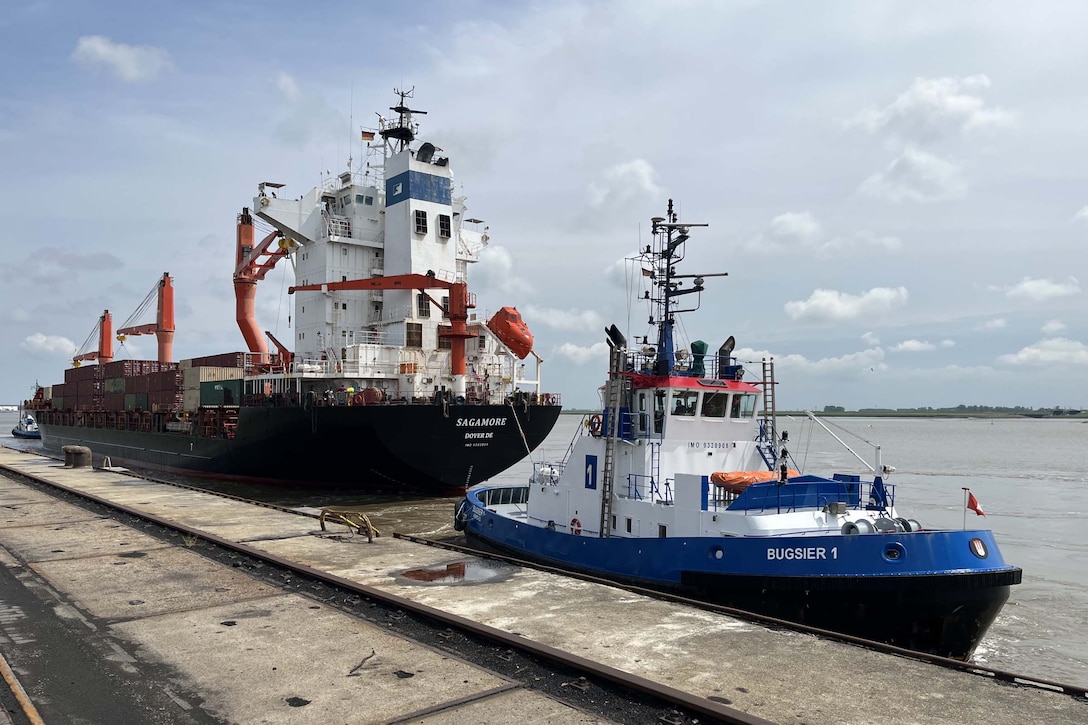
x,y
461,300
163,327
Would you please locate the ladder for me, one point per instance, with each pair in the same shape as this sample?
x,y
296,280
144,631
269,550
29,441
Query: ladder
x,y
613,396
768,435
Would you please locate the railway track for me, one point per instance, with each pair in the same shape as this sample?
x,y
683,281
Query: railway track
x,y
589,686
580,682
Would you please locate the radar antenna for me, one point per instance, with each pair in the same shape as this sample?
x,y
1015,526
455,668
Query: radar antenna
x,y
402,130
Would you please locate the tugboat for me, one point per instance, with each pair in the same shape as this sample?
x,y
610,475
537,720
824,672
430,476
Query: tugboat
x,y
27,427
683,483
394,381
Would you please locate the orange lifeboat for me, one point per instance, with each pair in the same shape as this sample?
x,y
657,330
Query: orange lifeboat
x,y
512,330
737,481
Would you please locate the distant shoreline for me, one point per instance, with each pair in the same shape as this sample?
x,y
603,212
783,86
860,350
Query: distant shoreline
x,y
1041,414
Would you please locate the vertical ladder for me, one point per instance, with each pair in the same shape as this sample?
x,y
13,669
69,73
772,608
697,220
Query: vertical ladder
x,y
613,396
655,466
768,432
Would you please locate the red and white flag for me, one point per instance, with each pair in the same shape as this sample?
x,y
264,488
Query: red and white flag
x,y
972,503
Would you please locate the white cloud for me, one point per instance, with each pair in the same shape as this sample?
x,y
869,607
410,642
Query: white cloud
x,y
948,343
831,305
916,176
998,323
1053,327
288,87
19,315
914,346
1056,350
870,339
583,320
49,345
869,360
860,240
1040,290
495,273
625,184
1082,215
933,108
581,355
130,63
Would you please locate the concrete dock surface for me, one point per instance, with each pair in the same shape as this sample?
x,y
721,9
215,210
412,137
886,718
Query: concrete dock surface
x,y
204,642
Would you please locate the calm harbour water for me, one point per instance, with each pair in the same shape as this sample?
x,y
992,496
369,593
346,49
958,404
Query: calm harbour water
x,y
1026,474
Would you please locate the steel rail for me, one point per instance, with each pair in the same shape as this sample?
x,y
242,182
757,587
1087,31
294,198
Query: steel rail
x,y
665,693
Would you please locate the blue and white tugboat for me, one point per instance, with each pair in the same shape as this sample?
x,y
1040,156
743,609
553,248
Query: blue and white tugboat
x,y
683,483
26,427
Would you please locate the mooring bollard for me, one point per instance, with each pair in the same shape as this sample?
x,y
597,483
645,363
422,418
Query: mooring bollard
x,y
76,456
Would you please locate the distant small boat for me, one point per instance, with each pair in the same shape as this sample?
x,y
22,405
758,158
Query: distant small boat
x,y
27,427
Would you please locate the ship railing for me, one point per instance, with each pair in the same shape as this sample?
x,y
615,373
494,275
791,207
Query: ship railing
x,y
643,487
713,367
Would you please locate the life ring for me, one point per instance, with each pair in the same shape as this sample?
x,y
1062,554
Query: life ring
x,y
576,527
595,424
358,399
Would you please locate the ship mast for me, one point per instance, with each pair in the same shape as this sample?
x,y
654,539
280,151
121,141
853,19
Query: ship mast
x,y
669,238
403,130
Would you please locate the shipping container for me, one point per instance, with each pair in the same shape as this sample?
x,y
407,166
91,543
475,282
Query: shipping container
x,y
194,376
113,402
223,360
113,386
58,403
221,392
191,398
136,401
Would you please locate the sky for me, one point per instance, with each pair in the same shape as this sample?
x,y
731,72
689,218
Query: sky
x,y
897,191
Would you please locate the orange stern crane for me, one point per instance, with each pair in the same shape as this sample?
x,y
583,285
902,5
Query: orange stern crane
x,y
163,327
104,354
461,301
252,263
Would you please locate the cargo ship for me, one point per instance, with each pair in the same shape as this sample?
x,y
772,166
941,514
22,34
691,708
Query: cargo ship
x,y
393,381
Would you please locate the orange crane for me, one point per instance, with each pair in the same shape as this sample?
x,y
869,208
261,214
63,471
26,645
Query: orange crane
x,y
461,301
252,263
104,354
163,327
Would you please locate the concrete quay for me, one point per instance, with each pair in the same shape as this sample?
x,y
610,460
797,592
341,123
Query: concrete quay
x,y
182,638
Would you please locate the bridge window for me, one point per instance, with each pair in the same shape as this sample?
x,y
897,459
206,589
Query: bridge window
x,y
684,402
421,221
715,405
444,226
423,306
747,406
413,335
444,341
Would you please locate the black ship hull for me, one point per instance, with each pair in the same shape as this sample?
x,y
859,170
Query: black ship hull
x,y
434,449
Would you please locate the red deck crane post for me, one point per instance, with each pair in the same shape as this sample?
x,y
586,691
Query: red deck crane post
x,y
104,354
163,327
252,263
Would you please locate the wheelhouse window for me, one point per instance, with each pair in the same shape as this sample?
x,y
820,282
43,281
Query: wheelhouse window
x,y
421,221
715,405
684,402
413,335
747,405
445,342
444,226
423,306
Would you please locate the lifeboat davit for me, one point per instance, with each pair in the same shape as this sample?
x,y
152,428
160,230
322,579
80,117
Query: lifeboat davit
x,y
512,330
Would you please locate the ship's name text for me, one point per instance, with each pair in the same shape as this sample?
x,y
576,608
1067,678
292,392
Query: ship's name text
x,y
801,552
479,422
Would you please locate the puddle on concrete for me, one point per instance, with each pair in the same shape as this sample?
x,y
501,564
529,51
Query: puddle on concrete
x,y
473,571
